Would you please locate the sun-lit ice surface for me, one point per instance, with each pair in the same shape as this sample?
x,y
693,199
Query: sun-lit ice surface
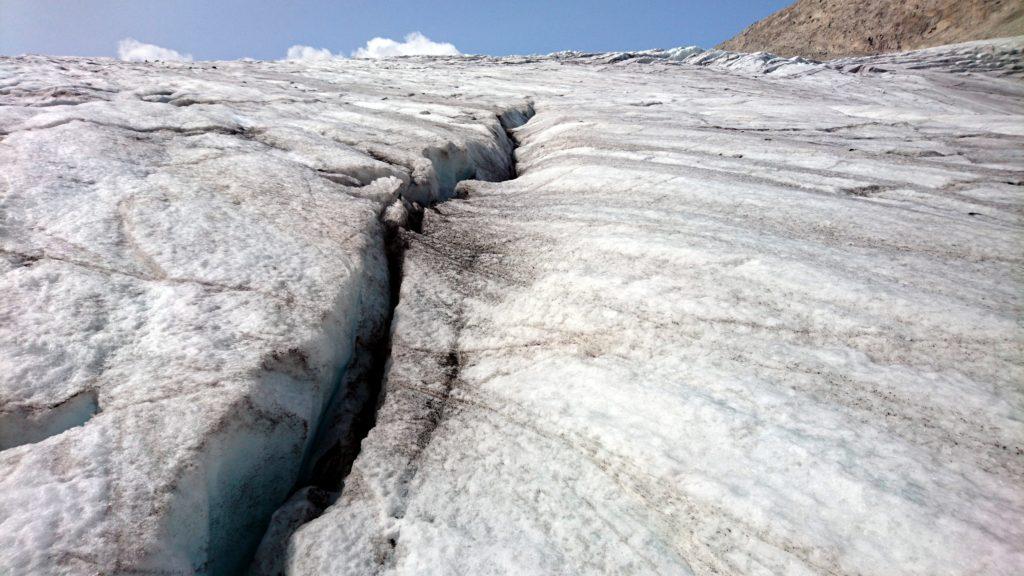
x,y
726,314
190,256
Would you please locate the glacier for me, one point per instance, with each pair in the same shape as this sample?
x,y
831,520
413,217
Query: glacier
x,y
659,312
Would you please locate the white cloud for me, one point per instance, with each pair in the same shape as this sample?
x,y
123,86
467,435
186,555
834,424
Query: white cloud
x,y
415,44
299,52
132,50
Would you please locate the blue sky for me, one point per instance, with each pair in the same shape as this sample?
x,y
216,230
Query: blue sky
x,y
264,29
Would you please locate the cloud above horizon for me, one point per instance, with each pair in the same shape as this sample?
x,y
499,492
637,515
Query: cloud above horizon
x,y
131,50
300,52
416,44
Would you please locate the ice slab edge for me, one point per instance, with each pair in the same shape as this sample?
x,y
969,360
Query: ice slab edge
x,y
190,267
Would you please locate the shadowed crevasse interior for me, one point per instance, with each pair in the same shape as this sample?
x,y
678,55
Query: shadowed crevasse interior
x,y
20,426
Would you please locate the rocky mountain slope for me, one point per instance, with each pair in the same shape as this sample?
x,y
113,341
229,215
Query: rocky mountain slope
x,y
663,312
823,29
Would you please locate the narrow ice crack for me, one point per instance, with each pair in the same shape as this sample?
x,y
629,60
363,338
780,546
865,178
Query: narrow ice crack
x,y
352,412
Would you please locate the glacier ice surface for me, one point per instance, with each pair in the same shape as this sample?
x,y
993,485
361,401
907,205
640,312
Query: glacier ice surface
x,y
726,314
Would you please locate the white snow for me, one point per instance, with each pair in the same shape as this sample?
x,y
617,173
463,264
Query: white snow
x,y
732,315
